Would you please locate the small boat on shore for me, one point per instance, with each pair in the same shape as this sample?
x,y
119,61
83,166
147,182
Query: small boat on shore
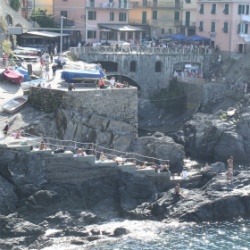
x,y
13,76
14,104
32,83
81,75
22,71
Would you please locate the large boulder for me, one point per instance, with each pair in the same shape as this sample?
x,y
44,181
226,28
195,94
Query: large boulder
x,y
25,171
214,138
161,147
8,197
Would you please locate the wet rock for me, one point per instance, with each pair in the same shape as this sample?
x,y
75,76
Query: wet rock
x,y
106,233
60,218
78,242
12,226
121,231
95,231
76,232
44,197
93,238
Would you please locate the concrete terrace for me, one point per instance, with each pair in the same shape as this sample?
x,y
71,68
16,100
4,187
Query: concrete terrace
x,y
71,168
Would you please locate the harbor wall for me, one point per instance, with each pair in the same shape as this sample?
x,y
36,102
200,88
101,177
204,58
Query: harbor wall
x,y
107,117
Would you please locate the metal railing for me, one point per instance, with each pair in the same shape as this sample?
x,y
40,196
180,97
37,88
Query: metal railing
x,y
96,150
141,50
92,148
148,4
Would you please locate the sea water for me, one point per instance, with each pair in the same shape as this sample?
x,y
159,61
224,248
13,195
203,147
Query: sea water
x,y
151,235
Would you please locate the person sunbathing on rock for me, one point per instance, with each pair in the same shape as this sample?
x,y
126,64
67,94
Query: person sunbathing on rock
x,y
42,146
177,191
81,152
103,157
17,134
60,149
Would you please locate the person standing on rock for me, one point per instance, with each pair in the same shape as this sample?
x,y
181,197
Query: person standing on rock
x,y
230,162
230,169
71,87
6,129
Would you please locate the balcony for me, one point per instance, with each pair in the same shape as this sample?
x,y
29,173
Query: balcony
x,y
155,5
188,24
140,22
245,18
177,23
107,5
140,5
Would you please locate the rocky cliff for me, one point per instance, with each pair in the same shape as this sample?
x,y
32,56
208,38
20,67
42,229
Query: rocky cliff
x,y
216,137
32,203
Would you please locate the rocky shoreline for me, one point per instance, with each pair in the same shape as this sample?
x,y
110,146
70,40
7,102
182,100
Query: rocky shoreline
x,y
35,212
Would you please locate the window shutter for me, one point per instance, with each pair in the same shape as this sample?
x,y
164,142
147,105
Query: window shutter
x,y
238,28
246,28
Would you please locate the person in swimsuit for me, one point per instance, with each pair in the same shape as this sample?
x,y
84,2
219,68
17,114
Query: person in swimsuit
x,y
177,191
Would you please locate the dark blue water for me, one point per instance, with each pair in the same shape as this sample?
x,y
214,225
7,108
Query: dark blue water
x,y
148,235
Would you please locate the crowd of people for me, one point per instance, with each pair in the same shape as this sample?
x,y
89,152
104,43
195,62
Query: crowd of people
x,y
112,83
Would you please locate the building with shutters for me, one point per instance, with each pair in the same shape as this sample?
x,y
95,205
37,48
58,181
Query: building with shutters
x,y
226,23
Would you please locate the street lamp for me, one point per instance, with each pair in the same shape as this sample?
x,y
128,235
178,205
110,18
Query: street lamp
x,y
61,34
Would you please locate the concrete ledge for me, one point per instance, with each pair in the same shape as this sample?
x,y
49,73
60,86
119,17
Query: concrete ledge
x,y
150,172
44,151
129,168
90,159
64,154
105,164
25,148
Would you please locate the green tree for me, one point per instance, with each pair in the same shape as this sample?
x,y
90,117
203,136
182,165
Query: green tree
x,y
3,24
44,20
7,48
15,4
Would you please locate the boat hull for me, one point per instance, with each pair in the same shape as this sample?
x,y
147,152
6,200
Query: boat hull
x,y
13,76
14,104
80,75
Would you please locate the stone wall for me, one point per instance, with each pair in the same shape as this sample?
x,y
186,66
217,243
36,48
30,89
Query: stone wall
x,y
212,92
202,93
106,117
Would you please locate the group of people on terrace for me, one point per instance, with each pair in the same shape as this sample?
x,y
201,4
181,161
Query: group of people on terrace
x,y
90,149
188,74
112,83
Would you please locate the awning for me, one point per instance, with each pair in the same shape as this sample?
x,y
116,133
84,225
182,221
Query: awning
x,y
179,37
198,39
119,27
47,34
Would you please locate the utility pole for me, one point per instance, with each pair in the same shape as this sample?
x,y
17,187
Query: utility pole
x,y
61,34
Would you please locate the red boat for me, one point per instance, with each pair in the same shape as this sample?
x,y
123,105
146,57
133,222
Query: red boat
x,y
13,76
